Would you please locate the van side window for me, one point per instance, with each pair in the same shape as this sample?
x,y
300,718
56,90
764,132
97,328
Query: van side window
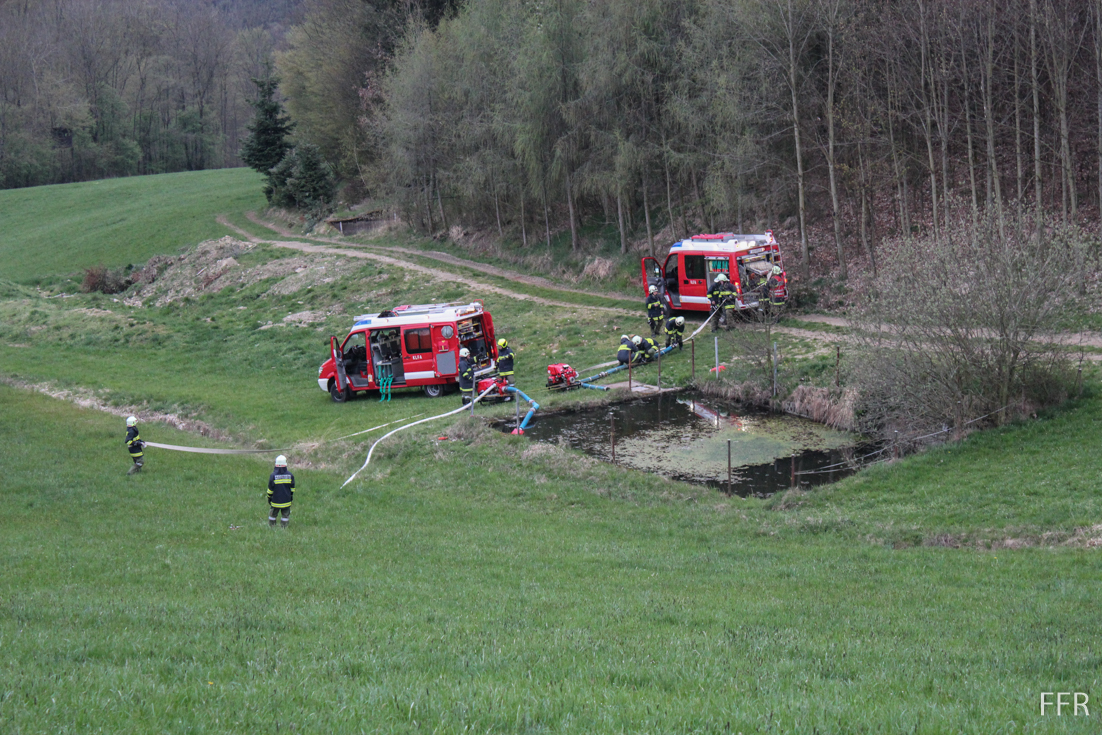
x,y
694,266
418,340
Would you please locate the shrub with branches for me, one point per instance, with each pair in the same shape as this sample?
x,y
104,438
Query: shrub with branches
x,y
968,326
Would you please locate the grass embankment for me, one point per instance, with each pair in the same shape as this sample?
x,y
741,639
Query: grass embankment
x,y
477,584
484,583
115,222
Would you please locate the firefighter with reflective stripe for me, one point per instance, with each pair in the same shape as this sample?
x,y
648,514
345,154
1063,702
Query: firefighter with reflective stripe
x,y
722,297
775,287
675,331
645,348
624,353
505,361
655,311
466,375
134,445
281,492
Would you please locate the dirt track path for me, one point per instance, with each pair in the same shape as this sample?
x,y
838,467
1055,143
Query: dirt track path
x,y
1073,339
489,270
433,272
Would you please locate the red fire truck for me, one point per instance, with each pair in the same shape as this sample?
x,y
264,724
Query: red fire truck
x,y
408,347
692,265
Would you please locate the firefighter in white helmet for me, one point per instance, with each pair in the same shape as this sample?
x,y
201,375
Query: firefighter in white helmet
x,y
675,331
134,445
466,375
281,493
655,310
626,350
722,298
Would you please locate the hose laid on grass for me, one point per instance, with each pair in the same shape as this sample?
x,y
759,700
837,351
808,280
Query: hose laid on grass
x,y
205,450
395,431
208,450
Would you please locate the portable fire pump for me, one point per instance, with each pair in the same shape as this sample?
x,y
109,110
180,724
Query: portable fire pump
x,y
498,384
562,377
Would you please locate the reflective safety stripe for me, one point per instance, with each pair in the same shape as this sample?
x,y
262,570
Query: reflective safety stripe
x,y
281,505
282,482
271,518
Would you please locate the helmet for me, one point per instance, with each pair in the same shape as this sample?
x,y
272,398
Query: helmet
x,y
680,321
281,461
130,421
637,340
653,288
623,337
503,342
776,270
721,277
464,352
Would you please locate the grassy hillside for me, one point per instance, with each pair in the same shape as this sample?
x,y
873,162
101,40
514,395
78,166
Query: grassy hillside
x,y
63,228
479,582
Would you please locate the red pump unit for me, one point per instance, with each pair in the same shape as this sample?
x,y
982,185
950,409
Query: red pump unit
x,y
562,377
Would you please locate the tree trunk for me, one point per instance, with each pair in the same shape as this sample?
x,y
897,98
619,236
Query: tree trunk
x,y
546,216
927,83
805,251
900,180
573,219
1037,191
862,163
832,168
523,221
1018,119
497,205
646,214
620,217
1097,7
669,192
440,203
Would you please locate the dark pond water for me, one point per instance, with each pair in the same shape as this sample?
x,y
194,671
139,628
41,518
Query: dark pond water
x,y
685,438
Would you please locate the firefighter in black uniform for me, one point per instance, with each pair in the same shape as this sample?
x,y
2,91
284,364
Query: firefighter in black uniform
x,y
675,331
645,348
505,361
775,289
655,311
134,444
281,492
627,348
466,375
722,297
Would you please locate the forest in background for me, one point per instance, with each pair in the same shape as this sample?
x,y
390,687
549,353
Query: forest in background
x,y
873,117
533,117
94,89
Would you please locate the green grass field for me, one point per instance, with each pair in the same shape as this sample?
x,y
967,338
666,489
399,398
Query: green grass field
x,y
47,230
480,583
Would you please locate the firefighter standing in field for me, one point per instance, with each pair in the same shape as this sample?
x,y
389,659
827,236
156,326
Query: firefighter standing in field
x,y
722,296
627,348
466,375
505,361
675,331
655,311
281,492
134,445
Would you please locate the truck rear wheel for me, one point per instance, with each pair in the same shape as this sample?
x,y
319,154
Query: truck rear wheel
x,y
338,395
433,391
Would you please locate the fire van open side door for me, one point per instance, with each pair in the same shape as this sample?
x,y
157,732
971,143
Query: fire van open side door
x,y
341,379
653,275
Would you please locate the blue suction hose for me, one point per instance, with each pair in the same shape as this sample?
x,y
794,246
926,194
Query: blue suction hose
x,y
533,407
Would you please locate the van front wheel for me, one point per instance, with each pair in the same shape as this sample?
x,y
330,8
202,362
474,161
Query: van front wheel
x,y
338,395
433,391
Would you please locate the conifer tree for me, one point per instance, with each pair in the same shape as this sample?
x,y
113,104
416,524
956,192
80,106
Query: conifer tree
x,y
266,144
